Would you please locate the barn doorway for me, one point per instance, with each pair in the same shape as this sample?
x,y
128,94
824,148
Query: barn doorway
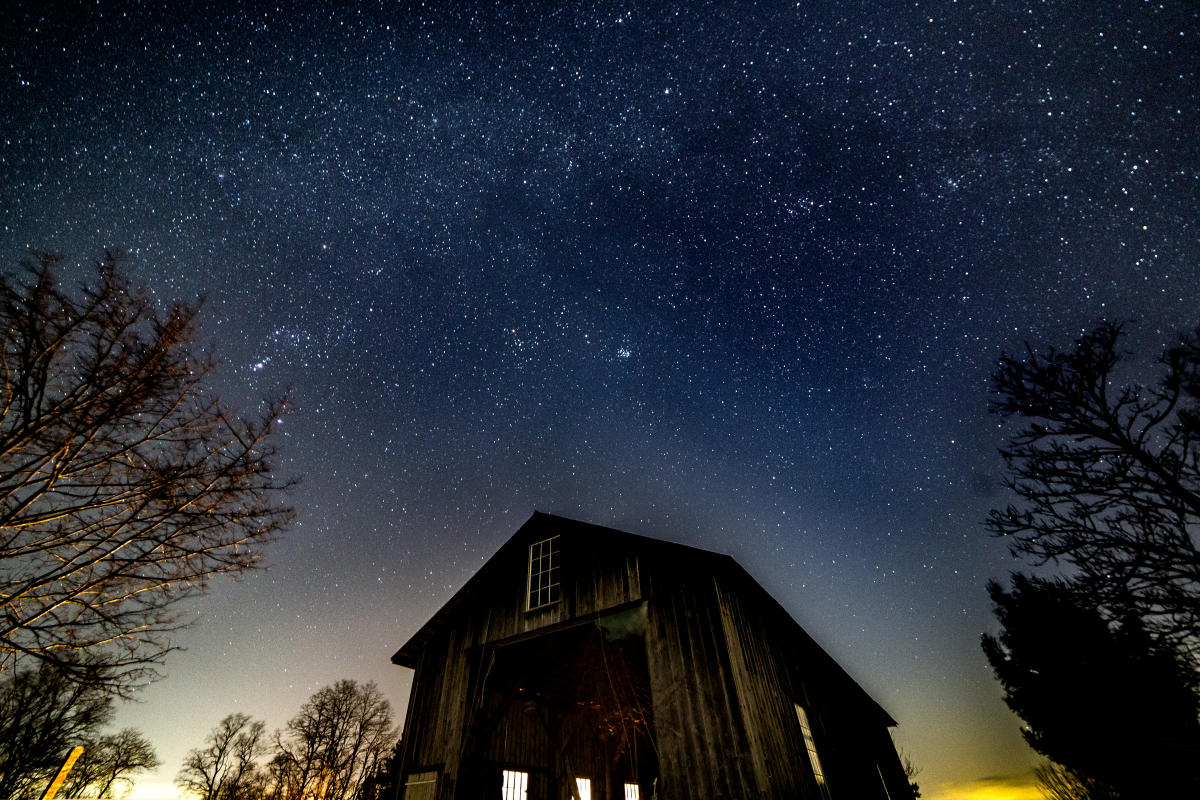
x,y
571,710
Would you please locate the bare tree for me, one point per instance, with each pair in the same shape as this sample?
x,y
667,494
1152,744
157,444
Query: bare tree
x,y
226,768
125,485
1107,477
1056,782
109,762
339,739
911,771
43,714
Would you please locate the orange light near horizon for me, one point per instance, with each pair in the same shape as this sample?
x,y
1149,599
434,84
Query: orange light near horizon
x,y
55,784
1000,788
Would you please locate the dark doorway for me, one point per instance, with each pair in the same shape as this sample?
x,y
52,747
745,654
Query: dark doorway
x,y
568,709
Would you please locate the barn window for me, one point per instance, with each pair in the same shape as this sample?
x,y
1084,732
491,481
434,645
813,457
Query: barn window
x,y
420,786
631,792
544,588
585,788
811,747
515,785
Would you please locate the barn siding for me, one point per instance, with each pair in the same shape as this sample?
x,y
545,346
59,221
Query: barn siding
x,y
724,664
768,757
768,696
776,665
444,700
702,740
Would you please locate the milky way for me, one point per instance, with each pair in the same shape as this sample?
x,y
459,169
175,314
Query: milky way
x,y
730,274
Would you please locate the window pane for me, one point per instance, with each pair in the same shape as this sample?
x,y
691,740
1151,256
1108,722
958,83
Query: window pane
x,y
585,788
811,746
515,785
631,791
543,583
420,786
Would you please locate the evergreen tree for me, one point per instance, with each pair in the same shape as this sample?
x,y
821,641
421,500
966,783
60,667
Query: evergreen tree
x,y
1101,698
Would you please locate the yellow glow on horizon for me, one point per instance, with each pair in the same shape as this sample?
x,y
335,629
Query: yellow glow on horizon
x,y
1020,787
995,788
155,791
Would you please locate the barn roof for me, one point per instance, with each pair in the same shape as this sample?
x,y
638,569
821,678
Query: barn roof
x,y
541,524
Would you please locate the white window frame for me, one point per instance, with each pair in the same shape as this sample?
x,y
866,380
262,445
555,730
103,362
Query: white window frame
x,y
542,586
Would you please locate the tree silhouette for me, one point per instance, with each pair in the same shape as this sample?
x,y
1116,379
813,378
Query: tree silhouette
x,y
336,748
1102,699
1056,782
1108,477
226,768
109,762
125,485
43,714
340,737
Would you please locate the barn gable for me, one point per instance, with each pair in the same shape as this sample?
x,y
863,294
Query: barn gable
x,y
589,660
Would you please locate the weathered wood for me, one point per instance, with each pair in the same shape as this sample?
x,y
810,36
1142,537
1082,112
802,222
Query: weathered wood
x,y
661,665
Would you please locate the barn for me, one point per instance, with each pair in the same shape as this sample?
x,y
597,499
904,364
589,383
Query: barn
x,y
585,662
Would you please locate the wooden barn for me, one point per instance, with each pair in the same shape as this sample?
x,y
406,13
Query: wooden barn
x,y
584,662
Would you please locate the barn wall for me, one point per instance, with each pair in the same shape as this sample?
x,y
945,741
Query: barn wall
x,y
776,665
594,578
446,693
779,767
701,737
436,711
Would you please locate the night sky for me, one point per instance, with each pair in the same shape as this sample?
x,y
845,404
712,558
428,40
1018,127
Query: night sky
x,y
731,274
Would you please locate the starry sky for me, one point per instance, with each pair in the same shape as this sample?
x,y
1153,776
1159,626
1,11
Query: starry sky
x,y
733,274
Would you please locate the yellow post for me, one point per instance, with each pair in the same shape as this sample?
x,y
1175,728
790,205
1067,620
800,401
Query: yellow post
x,y
57,783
